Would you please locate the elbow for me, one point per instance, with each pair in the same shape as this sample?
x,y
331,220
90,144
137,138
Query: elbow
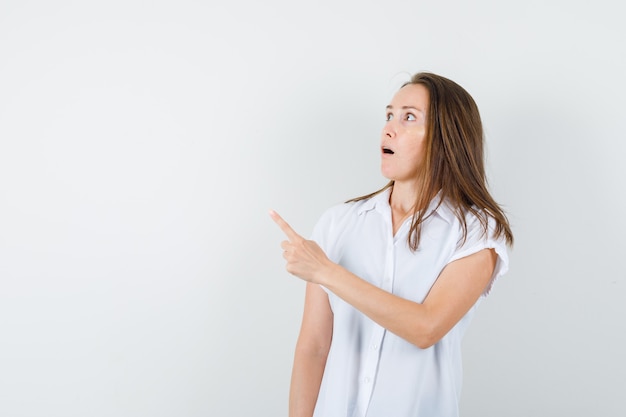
x,y
427,336
425,341
312,347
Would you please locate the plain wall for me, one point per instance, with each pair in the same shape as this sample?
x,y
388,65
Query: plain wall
x,y
142,144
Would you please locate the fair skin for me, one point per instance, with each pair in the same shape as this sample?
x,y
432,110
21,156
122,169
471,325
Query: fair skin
x,y
456,290
403,145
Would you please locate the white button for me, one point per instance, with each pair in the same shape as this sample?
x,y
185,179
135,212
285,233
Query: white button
x,y
374,346
367,379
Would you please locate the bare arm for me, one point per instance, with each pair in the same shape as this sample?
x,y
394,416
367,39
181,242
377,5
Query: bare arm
x,y
311,352
457,288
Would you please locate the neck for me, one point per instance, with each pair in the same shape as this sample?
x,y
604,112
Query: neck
x,y
403,196
402,202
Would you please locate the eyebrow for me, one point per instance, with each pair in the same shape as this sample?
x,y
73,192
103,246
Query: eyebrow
x,y
389,107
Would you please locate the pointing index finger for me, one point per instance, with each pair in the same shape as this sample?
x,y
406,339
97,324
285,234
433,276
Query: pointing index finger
x,y
284,226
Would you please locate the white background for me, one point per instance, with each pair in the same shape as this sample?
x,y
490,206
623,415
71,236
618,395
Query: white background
x,y
143,142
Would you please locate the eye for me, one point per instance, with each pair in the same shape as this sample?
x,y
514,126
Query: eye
x,y
410,117
388,117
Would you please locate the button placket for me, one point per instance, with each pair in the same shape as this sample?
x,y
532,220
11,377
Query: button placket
x,y
370,368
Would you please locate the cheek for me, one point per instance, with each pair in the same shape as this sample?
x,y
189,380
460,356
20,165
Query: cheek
x,y
415,128
416,136
417,146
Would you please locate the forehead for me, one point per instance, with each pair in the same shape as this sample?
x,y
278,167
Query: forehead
x,y
411,95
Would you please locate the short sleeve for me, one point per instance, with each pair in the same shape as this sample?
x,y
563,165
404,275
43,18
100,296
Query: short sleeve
x,y
477,240
326,235
329,230
320,232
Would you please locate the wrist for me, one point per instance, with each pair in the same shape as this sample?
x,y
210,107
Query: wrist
x,y
325,275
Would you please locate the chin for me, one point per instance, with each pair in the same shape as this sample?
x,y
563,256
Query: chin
x,y
390,174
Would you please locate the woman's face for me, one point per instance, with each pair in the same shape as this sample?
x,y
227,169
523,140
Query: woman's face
x,y
403,140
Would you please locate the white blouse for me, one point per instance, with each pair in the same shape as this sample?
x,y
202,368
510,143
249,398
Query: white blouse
x,y
370,371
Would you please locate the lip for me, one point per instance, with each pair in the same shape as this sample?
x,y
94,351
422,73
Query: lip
x,y
385,150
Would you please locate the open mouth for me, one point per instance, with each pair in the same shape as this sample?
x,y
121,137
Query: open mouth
x,y
387,150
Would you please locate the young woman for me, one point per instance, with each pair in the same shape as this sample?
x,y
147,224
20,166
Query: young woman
x,y
393,277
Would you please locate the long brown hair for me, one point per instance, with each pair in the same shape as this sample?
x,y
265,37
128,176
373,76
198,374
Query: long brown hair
x,y
454,160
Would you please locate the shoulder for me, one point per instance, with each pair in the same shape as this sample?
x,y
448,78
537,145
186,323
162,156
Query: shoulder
x,y
474,220
337,222
337,215
476,230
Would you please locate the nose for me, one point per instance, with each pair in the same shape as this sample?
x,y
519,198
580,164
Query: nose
x,y
389,130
